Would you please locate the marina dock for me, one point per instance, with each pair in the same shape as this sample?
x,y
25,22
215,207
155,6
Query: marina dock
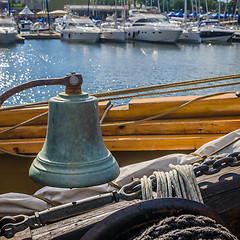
x,y
21,37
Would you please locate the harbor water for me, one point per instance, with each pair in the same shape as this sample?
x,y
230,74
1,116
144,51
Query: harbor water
x,y
113,66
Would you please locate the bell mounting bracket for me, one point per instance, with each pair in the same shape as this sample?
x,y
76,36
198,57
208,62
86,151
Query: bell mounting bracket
x,y
72,82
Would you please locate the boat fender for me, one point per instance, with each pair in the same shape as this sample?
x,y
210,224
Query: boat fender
x,y
238,94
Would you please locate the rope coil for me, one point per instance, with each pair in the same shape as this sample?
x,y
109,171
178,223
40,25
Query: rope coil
x,y
185,226
179,182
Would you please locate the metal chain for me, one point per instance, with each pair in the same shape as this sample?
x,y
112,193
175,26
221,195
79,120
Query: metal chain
x,y
210,166
213,166
11,225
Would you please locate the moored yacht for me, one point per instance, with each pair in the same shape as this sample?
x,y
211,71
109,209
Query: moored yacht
x,y
152,28
39,26
81,30
112,32
25,25
190,34
212,32
62,22
8,30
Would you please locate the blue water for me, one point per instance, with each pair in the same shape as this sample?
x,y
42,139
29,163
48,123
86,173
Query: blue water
x,y
108,66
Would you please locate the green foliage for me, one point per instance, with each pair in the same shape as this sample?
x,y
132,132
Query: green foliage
x,y
59,4
169,4
21,5
231,6
177,4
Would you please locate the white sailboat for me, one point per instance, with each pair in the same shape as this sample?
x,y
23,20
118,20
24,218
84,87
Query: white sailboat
x,y
190,33
111,31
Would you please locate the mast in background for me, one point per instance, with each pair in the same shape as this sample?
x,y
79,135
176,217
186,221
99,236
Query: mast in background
x,y
185,11
88,7
9,7
238,21
207,9
219,10
48,12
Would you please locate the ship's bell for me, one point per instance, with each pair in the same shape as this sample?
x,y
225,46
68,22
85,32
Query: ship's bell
x,y
74,154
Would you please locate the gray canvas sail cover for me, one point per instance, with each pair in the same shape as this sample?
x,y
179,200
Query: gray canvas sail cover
x,y
26,11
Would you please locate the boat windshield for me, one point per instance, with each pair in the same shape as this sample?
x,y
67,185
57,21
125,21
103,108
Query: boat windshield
x,y
151,20
209,23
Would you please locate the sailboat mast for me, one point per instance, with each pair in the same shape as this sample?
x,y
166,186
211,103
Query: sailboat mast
x,y
219,10
238,22
93,8
124,18
88,7
185,11
9,8
225,10
196,8
48,12
115,18
207,9
192,9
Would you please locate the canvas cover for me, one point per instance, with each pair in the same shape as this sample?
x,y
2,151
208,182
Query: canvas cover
x,y
26,11
17,203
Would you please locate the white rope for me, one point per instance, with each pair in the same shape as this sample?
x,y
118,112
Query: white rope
x,y
146,185
179,182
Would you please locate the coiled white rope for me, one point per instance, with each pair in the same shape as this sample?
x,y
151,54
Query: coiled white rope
x,y
179,182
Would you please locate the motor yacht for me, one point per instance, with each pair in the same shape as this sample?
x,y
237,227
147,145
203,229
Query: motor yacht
x,y
8,30
81,30
152,28
212,32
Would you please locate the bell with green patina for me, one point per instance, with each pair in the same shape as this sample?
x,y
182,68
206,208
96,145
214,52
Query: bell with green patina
x,y
74,154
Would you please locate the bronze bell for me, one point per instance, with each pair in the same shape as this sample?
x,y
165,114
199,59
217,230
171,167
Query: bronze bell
x,y
74,154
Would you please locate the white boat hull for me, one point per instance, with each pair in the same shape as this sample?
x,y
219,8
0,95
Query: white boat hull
x,y
217,39
90,37
215,34
113,35
6,37
191,37
153,34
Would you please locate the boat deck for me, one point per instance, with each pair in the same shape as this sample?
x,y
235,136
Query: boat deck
x,y
39,36
224,185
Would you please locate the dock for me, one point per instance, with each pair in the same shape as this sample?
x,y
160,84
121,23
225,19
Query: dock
x,y
21,37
